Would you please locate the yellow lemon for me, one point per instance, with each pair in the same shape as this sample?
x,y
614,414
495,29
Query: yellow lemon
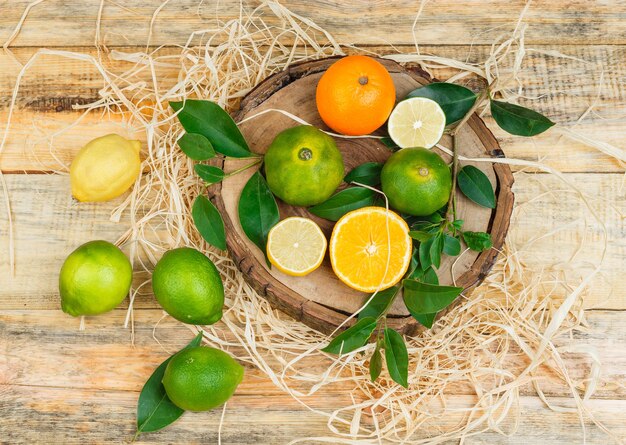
x,y
105,168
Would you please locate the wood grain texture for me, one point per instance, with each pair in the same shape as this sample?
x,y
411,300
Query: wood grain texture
x,y
352,22
54,84
294,91
43,247
83,394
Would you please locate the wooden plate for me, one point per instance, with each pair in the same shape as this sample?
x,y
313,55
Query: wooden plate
x,y
320,300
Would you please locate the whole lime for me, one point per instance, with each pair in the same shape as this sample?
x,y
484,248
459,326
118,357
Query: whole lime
x,y
188,286
416,181
94,279
201,378
303,166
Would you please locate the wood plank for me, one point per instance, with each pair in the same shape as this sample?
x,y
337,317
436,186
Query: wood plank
x,y
567,88
47,349
76,416
49,225
351,22
87,381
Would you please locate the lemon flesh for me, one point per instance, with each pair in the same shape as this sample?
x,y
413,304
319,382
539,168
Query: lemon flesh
x,y
296,246
416,122
105,168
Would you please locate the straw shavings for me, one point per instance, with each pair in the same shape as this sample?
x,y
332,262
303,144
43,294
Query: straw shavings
x,y
507,337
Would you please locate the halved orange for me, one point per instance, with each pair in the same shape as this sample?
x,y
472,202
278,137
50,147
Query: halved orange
x,y
365,243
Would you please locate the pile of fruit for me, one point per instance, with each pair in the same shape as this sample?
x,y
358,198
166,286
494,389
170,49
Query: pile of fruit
x,y
393,221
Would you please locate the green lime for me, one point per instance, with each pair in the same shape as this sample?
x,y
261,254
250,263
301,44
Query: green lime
x,y
303,166
416,181
94,279
188,286
201,378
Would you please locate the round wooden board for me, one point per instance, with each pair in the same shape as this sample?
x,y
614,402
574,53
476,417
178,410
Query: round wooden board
x,y
320,300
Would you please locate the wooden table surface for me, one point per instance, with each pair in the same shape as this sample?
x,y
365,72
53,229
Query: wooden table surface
x,y
62,385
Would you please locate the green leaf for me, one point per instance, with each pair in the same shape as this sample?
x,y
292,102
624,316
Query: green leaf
x,y
154,409
478,241
476,186
352,338
420,235
376,364
368,173
258,211
209,173
196,147
518,120
426,320
389,143
379,303
422,298
424,253
454,100
428,276
435,250
343,202
458,224
209,222
397,357
451,245
211,121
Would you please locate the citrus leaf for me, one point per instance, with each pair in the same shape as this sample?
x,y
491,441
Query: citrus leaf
x,y
368,173
376,364
424,253
211,121
426,320
196,147
154,409
352,338
458,224
476,186
209,222
258,211
389,143
428,276
436,248
209,173
397,357
379,304
422,298
420,235
451,245
343,202
518,120
478,241
454,100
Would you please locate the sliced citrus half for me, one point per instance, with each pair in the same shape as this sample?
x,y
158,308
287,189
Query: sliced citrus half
x,y
367,242
416,122
296,246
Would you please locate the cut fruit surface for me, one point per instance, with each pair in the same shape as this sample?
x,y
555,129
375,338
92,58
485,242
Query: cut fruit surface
x,y
296,246
416,122
368,242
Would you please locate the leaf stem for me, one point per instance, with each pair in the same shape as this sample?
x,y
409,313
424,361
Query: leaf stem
x,y
239,170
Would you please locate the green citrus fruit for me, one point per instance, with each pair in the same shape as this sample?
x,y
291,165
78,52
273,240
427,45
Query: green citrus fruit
x,y
188,286
303,166
201,378
416,181
94,279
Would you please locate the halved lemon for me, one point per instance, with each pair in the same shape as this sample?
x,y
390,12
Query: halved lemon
x,y
296,246
416,122
365,243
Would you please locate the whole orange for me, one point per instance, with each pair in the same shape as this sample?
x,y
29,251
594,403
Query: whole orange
x,y
355,95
